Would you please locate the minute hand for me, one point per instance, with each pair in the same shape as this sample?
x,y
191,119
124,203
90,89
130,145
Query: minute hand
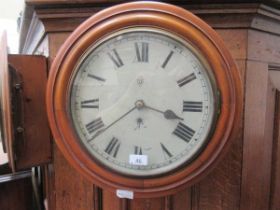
x,y
104,129
168,114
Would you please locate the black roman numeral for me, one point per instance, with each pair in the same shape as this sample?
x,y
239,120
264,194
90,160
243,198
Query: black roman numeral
x,y
186,79
94,103
192,106
167,59
94,125
96,77
113,147
137,150
142,52
114,56
184,132
165,150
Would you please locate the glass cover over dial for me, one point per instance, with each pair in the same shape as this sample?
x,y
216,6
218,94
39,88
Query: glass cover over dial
x,y
142,101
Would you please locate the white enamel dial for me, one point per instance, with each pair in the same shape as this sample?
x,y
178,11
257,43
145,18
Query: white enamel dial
x,y
142,102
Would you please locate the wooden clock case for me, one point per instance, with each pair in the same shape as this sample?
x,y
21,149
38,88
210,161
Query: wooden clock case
x,y
188,27
24,130
247,178
24,123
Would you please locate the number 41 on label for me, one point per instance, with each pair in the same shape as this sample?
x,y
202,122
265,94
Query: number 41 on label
x,y
139,160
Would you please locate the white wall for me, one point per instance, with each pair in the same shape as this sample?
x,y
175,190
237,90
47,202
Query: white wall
x,y
9,13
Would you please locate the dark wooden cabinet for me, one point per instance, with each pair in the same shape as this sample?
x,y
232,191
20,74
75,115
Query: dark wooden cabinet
x,y
248,176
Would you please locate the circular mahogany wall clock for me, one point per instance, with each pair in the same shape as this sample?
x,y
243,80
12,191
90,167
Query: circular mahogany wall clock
x,y
144,97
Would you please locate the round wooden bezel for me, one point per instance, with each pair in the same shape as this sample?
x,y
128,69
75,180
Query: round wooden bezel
x,y
174,20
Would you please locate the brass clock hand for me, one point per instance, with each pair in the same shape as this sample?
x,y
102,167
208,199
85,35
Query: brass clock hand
x,y
168,114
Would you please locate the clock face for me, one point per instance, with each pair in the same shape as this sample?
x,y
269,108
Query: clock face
x,y
142,102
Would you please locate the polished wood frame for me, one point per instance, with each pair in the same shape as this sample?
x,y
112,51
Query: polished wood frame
x,y
174,20
32,145
6,107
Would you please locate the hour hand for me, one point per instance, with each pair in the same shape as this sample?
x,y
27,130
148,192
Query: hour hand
x,y
168,114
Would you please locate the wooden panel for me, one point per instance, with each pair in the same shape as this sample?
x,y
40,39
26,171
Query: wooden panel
x,y
221,189
182,200
147,204
111,202
236,41
55,42
258,129
263,47
179,201
36,148
43,2
73,192
16,195
68,25
275,181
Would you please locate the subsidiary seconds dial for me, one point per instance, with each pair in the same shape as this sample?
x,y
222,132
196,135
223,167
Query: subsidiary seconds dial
x,y
142,101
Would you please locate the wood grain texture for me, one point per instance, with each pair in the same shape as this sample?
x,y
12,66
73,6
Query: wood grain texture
x,y
263,47
50,2
221,189
236,41
62,18
33,71
55,42
258,138
148,204
73,192
53,2
275,176
16,195
111,201
182,200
